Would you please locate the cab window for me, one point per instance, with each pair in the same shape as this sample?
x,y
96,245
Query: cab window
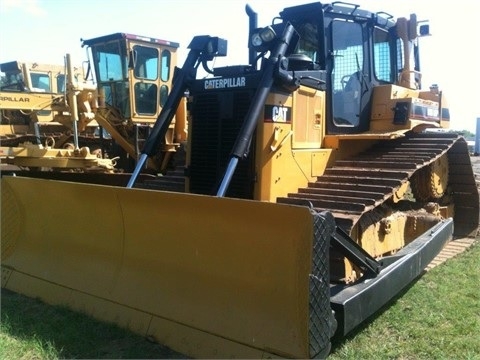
x,y
146,62
382,56
40,82
165,71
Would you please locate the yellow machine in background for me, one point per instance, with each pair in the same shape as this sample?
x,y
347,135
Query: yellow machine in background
x,y
49,103
310,194
134,78
28,94
55,107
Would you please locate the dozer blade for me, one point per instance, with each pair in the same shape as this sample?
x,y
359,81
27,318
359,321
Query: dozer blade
x,y
206,276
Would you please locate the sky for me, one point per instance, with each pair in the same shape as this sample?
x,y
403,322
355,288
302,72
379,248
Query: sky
x,y
44,31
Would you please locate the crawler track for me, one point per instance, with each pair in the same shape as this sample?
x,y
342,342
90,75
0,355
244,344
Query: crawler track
x,y
353,187
452,249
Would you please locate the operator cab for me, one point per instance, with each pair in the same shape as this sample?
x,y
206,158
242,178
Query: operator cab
x,y
353,51
34,77
133,73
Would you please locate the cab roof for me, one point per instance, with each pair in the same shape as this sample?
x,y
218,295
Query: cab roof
x,y
120,36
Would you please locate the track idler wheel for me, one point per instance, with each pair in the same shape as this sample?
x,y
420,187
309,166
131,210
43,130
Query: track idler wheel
x,y
430,182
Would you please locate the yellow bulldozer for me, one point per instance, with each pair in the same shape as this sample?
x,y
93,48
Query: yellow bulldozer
x,y
311,194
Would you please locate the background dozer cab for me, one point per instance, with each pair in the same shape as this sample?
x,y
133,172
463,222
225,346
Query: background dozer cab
x,y
312,196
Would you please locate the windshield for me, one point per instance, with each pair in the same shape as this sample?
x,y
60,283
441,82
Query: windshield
x,y
308,43
111,68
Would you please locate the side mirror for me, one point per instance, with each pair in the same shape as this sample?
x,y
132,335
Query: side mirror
x,y
424,30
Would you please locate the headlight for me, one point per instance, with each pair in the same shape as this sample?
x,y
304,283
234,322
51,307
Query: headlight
x,y
261,38
267,34
256,39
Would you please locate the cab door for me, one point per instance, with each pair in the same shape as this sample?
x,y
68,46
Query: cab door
x,y
150,67
145,70
350,79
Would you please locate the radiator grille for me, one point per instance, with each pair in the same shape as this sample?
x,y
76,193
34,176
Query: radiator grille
x,y
217,118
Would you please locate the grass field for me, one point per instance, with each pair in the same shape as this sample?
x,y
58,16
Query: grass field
x,y
438,317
